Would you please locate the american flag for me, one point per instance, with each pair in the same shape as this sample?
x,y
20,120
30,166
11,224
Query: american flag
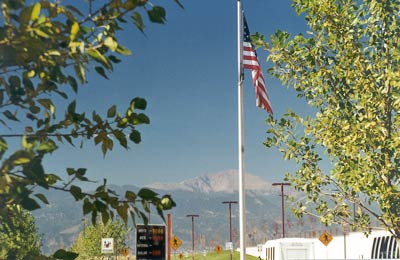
x,y
250,61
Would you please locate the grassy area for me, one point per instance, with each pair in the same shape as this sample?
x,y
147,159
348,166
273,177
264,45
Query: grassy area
x,y
224,255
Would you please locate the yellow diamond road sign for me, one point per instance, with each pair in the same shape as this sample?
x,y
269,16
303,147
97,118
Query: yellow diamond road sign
x,y
176,242
218,249
325,238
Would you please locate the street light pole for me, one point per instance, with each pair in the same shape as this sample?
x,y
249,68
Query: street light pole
x,y
230,220
192,216
283,207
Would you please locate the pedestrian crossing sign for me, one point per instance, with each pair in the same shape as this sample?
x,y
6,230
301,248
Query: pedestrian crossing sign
x,y
175,242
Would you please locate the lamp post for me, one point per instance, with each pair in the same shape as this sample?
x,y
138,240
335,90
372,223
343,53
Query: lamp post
x,y
192,216
230,221
283,207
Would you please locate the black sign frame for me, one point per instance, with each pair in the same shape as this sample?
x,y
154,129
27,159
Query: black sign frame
x,y
150,242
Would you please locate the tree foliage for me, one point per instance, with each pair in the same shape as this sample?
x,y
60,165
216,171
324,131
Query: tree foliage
x,y
88,244
46,50
347,68
20,239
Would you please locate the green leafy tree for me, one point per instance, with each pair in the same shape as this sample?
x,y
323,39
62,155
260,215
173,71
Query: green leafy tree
x,y
21,239
347,68
46,50
88,244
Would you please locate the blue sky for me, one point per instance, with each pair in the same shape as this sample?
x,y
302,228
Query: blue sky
x,y
187,72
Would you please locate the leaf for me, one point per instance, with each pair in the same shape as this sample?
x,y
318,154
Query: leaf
x,y
114,59
135,136
179,3
72,82
76,192
147,194
167,202
100,206
139,103
25,15
80,174
74,31
97,56
28,85
72,107
61,93
142,119
130,5
80,72
111,43
70,171
105,217
121,138
69,139
130,196
52,179
101,71
47,104
34,109
157,14
10,115
54,53
123,50
94,217
22,160
35,11
3,147
112,111
123,212
65,255
138,21
74,9
15,82
29,204
31,74
41,33
100,137
87,206
47,147
42,198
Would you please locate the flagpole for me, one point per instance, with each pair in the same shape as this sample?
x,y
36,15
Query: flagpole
x,y
242,207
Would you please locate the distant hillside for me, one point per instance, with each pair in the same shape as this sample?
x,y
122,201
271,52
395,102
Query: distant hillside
x,y
61,221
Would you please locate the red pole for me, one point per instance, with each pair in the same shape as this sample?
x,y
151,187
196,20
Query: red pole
x,y
169,236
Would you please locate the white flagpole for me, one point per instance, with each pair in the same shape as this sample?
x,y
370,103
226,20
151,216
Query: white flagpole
x,y
242,207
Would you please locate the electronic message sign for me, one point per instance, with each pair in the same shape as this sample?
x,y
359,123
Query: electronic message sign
x,y
150,242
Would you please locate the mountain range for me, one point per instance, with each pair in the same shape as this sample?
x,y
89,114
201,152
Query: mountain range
x,y
61,221
224,182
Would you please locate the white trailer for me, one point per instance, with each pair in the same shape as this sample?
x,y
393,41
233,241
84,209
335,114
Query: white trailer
x,y
289,249
355,245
